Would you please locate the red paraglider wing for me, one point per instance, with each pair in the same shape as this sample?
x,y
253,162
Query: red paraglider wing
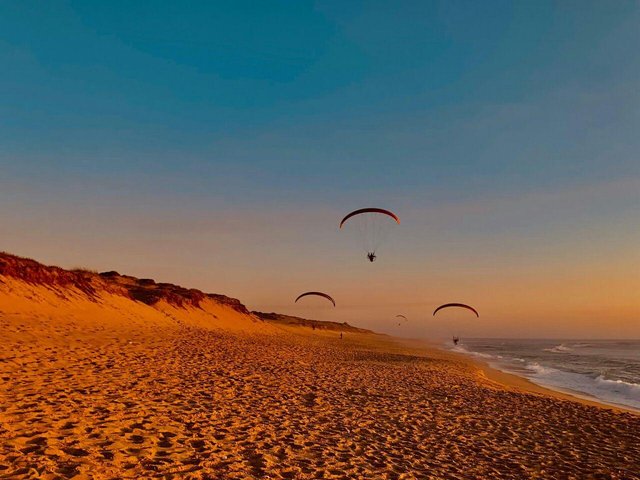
x,y
319,294
401,316
461,305
370,210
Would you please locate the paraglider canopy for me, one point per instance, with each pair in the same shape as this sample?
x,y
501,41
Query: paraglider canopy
x,y
370,210
318,294
459,305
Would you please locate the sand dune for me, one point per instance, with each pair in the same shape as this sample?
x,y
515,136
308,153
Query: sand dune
x,y
105,386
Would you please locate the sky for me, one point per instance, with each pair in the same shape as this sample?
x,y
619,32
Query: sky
x,y
217,145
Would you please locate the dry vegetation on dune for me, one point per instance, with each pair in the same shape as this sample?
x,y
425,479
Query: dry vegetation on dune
x,y
34,273
144,290
97,384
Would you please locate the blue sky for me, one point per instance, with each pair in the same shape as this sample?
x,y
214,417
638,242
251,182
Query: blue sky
x,y
122,122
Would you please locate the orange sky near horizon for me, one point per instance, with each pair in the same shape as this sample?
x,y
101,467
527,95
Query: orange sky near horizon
x,y
562,272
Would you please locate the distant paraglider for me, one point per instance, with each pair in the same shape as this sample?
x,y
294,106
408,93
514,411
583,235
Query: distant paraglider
x,y
459,305
318,294
371,227
403,319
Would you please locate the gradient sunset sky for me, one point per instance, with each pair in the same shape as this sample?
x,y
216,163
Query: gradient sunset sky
x,y
218,144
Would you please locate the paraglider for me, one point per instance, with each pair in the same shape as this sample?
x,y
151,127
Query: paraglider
x,y
319,294
371,226
456,338
459,305
402,317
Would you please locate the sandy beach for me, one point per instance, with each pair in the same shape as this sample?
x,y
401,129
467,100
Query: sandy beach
x,y
99,392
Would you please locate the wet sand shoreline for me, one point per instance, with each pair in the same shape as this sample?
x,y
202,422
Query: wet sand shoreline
x,y
512,381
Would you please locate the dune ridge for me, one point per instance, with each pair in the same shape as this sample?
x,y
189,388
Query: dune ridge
x,y
290,320
93,284
24,278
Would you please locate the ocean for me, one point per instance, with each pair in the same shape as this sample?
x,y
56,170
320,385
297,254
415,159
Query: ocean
x,y
605,370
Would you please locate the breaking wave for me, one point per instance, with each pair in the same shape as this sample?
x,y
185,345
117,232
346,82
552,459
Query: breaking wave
x,y
462,349
562,348
620,386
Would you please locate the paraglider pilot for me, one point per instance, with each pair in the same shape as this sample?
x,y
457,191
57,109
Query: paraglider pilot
x,y
371,256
